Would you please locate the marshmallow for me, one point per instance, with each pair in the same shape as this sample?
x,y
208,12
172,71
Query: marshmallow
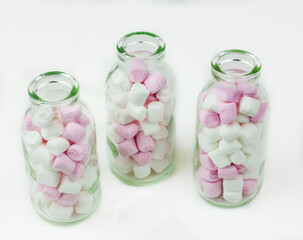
x,y
206,162
247,89
142,158
212,189
59,211
78,172
249,133
128,147
122,117
155,111
126,131
138,75
233,184
58,145
54,129
111,109
90,176
228,113
79,152
42,155
211,135
165,94
159,165
150,98
70,113
90,135
240,168
206,174
238,157
149,128
48,177
230,132
74,132
167,115
28,123
248,148
118,96
83,120
228,93
69,186
144,143
137,112
51,193
138,94
160,150
120,79
84,204
261,114
32,139
251,174
208,118
229,172
113,135
212,103
124,164
161,134
64,164
219,159
67,199
155,82
205,145
230,147
232,196
42,117
241,118
249,106
252,162
141,171
250,186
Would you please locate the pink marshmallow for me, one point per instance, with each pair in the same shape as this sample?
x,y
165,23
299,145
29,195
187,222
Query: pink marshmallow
x,y
74,132
145,143
70,113
83,120
240,168
206,174
29,125
142,158
229,172
78,172
78,152
208,118
155,82
250,185
128,147
206,162
39,187
127,130
150,98
64,164
51,192
247,89
68,199
228,94
138,75
261,114
228,113
212,189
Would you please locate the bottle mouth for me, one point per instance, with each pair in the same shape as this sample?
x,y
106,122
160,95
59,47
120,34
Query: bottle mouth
x,y
53,88
140,45
234,64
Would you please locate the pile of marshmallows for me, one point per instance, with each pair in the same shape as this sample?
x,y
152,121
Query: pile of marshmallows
x,y
230,120
139,111
58,142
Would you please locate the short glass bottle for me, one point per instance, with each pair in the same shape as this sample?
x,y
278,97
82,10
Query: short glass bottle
x,y
140,94
59,142
231,131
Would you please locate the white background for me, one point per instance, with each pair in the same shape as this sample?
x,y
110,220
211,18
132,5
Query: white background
x,y
79,37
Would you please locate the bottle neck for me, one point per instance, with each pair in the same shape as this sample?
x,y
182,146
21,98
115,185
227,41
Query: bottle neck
x,y
53,88
236,66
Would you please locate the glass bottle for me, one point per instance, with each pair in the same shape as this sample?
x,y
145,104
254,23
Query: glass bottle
x,y
231,131
59,141
140,100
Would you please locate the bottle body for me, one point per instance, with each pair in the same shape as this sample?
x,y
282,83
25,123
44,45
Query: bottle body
x,y
59,141
231,132
140,100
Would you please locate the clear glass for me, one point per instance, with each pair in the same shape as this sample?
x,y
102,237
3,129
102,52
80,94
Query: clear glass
x,y
140,100
231,131
59,142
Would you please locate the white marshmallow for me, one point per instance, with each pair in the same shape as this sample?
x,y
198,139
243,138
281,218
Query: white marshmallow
x,y
122,117
124,164
219,159
160,150
238,157
42,117
112,135
230,131
168,110
241,118
251,174
120,79
32,139
85,203
69,186
158,165
58,145
206,146
141,171
212,103
118,97
90,176
248,148
149,128
59,211
138,94
155,111
135,111
253,161
48,177
249,106
232,196
165,94
211,135
161,134
42,155
111,108
233,184
230,147
249,133
54,129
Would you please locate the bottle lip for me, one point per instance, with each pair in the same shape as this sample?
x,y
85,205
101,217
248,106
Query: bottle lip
x,y
41,81
141,40
243,65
